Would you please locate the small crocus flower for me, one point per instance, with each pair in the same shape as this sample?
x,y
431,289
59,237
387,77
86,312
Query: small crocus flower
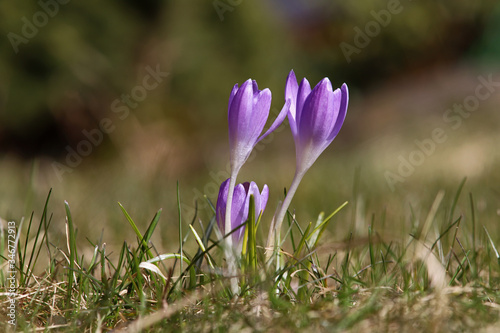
x,y
248,111
315,118
239,208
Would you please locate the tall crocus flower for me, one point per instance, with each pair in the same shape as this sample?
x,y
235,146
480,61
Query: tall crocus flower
x,y
239,214
239,208
315,119
248,111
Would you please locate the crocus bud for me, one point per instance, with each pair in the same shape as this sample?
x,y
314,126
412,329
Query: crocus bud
x,y
248,111
315,117
239,208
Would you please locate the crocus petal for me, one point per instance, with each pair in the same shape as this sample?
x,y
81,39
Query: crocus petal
x,y
231,96
279,119
261,112
291,90
240,112
255,86
291,87
260,199
239,212
264,196
302,94
253,189
239,209
220,208
342,112
318,115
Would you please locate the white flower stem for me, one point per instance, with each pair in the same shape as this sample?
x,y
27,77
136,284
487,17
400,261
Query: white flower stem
x,y
278,220
229,203
229,251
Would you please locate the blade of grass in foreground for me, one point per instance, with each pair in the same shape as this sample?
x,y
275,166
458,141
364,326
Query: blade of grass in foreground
x,y
455,199
71,237
33,257
180,222
149,232
318,230
151,228
492,245
473,219
201,245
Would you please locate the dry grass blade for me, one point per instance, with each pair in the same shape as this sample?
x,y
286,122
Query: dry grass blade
x,y
435,270
431,216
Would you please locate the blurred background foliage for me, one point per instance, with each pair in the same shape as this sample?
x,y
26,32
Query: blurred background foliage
x,y
64,80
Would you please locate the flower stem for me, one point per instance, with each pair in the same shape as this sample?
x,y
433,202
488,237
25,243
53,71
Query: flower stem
x,y
229,251
278,220
229,203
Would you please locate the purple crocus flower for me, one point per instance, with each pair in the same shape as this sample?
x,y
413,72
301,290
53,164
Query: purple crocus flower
x,y
248,111
239,208
315,118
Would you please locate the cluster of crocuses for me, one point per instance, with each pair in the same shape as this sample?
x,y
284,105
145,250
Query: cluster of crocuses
x,y
315,117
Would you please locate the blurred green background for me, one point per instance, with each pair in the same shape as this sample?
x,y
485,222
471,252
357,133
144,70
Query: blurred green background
x,y
71,68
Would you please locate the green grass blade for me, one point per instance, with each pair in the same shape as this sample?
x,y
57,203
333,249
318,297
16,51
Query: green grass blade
x,y
73,255
455,199
302,241
130,221
210,204
473,219
152,226
121,258
459,270
206,237
492,245
252,235
314,235
104,279
371,251
318,230
33,257
201,245
179,222
143,240
93,261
